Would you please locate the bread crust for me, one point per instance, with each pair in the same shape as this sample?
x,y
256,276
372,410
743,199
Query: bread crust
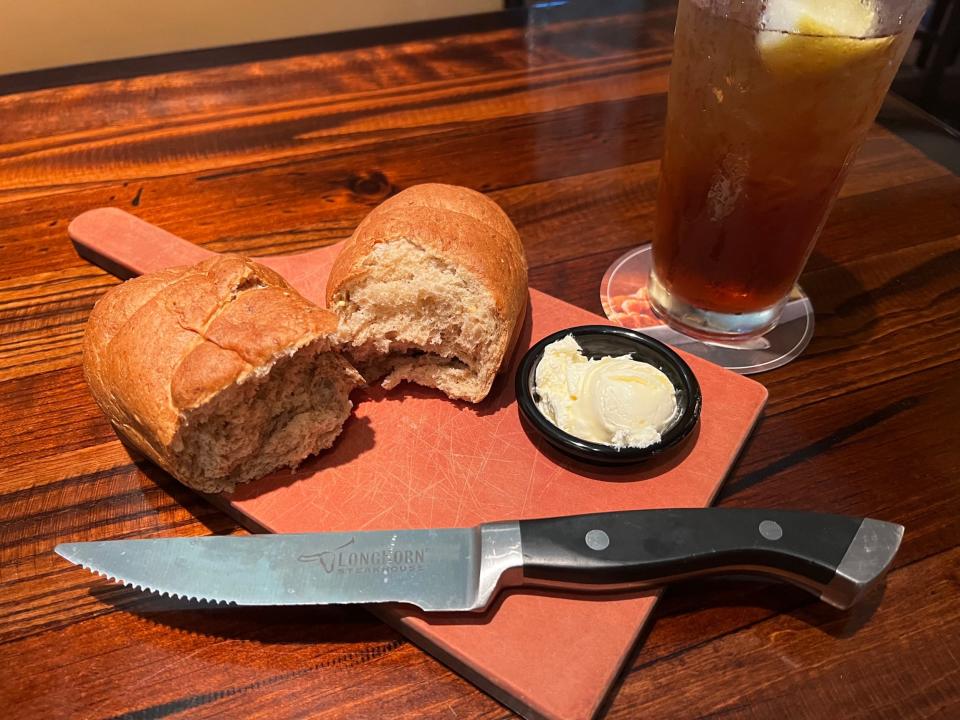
x,y
165,343
459,225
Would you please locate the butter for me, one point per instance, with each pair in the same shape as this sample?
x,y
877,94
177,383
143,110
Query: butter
x,y
615,401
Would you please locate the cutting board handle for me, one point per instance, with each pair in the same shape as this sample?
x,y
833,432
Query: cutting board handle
x,y
126,246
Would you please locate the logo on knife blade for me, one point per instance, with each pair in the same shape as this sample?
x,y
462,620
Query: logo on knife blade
x,y
385,561
327,558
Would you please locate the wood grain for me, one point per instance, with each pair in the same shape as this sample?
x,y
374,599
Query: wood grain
x,y
560,121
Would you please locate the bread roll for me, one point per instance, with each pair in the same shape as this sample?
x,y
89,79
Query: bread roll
x,y
219,372
432,288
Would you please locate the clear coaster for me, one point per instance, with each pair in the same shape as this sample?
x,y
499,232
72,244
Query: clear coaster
x,y
623,293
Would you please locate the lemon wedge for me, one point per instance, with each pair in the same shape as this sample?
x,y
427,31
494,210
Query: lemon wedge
x,y
801,37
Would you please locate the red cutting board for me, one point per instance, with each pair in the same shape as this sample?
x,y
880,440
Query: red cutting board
x,y
410,458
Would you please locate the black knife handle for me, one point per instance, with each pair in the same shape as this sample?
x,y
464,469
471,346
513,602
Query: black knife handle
x,y
650,547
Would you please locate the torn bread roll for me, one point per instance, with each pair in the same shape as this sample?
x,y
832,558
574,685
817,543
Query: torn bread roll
x,y
219,372
432,288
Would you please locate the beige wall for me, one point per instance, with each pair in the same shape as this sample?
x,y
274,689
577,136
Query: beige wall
x,y
37,34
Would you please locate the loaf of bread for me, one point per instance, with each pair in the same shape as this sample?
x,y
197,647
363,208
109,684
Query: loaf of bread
x,y
431,288
219,372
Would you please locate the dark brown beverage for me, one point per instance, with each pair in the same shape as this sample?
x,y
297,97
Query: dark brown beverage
x,y
762,126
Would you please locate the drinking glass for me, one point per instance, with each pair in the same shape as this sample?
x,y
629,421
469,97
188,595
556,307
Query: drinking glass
x,y
769,101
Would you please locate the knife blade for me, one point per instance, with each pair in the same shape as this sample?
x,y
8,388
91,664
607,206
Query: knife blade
x,y
838,558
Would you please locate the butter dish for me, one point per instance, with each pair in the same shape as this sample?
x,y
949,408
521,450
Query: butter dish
x,y
597,341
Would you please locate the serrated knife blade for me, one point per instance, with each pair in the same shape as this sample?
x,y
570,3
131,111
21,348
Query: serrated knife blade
x,y
432,569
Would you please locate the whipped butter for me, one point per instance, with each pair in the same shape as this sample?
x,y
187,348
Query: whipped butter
x,y
616,401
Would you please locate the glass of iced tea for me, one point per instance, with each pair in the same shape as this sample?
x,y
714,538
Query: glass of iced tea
x,y
768,103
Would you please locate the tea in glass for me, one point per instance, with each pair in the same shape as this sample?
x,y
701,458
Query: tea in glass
x,y
767,106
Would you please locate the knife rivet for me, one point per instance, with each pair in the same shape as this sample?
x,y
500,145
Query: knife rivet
x,y
771,530
597,540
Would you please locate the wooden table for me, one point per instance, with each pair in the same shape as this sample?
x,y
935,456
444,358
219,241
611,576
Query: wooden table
x,y
559,119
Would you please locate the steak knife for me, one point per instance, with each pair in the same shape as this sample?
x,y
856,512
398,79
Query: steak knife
x,y
838,558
